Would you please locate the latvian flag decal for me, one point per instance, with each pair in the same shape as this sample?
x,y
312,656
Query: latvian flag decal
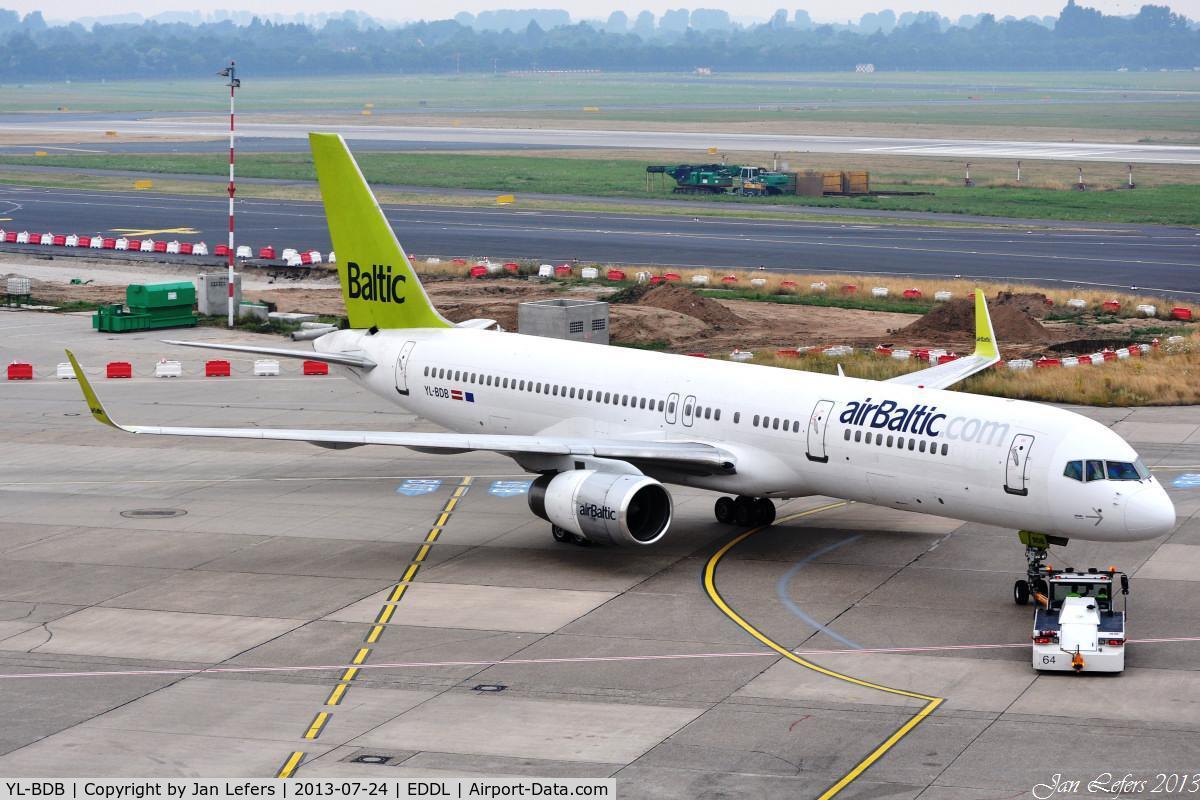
x,y
457,394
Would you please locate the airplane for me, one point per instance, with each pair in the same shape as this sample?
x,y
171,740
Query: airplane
x,y
606,429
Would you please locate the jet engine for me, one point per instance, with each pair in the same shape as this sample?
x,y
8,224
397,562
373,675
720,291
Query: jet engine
x,y
603,507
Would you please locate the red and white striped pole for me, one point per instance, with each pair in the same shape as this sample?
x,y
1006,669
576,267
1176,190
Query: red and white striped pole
x,y
231,73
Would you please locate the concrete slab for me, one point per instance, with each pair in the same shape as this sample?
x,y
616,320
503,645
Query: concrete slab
x,y
707,680
499,725
135,754
1155,432
294,596
593,569
1173,562
967,684
14,535
158,635
258,709
493,608
332,558
70,584
113,546
1150,695
326,642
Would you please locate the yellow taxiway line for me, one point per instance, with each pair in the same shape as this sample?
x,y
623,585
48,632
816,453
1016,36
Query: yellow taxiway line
x,y
931,702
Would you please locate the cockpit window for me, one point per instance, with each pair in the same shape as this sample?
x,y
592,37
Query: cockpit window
x,y
1074,470
1122,471
1095,470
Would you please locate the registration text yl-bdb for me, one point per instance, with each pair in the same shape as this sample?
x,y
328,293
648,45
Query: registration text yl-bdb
x,y
139,790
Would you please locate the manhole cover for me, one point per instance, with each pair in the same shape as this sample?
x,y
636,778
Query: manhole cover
x,y
489,687
153,513
371,759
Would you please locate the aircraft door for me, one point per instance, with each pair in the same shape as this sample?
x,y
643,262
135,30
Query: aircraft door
x,y
689,408
1017,465
402,367
818,423
672,407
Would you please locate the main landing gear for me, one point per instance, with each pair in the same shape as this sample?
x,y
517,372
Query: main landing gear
x,y
1036,549
744,511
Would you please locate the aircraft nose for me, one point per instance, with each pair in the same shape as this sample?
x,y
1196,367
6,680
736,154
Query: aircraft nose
x,y
1149,513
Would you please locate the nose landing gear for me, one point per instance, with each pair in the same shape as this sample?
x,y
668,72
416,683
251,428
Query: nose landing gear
x,y
744,511
1036,550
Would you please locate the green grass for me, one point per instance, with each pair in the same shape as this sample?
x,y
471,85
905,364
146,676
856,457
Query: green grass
x,y
825,300
442,93
1167,204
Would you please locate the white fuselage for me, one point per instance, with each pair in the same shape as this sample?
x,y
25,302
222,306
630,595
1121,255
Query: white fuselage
x,y
792,433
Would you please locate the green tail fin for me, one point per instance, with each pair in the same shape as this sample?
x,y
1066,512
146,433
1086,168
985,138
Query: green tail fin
x,y
379,285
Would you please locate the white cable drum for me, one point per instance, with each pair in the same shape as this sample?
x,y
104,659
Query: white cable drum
x,y
879,291
1076,303
819,286
1147,310
587,273
942,297
700,280
1020,364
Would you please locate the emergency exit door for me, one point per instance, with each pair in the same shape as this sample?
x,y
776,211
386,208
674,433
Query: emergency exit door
x,y
402,367
1017,465
818,423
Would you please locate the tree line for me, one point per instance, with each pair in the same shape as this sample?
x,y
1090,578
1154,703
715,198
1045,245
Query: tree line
x,y
1081,38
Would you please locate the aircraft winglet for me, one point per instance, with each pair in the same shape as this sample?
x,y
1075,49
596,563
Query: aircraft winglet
x,y
89,394
985,337
987,353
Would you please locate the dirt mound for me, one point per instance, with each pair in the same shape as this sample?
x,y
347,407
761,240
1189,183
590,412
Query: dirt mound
x,y
1035,304
684,301
956,319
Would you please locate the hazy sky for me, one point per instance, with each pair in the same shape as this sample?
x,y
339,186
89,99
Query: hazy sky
x,y
823,10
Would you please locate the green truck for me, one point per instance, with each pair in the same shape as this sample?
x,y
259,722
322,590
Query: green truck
x,y
722,178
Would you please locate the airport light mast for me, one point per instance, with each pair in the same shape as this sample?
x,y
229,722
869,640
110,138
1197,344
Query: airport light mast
x,y
234,83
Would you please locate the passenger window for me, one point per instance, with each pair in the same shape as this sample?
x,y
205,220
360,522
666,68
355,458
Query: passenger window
x,y
786,425
660,405
642,403
717,414
796,426
708,414
945,449
900,442
1095,470
858,436
1074,471
555,392
474,378
889,441
756,420
624,399
868,439
775,424
737,417
671,407
1121,471
589,394
427,372
456,373
847,435
922,447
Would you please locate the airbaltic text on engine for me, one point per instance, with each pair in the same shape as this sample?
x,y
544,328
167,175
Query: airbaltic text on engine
x,y
377,284
597,512
923,420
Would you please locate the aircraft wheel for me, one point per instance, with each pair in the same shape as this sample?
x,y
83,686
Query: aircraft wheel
x,y
743,511
764,511
724,510
561,535
1021,592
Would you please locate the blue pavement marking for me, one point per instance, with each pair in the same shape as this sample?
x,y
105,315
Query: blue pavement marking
x,y
1188,480
785,580
419,486
509,488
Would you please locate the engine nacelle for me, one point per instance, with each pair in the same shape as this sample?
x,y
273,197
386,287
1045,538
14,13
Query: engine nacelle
x,y
604,507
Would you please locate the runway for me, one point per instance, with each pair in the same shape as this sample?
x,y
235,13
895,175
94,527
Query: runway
x,y
232,609
1157,260
488,138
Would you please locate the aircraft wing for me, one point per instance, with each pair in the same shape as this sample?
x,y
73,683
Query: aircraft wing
x,y
342,359
987,353
692,456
